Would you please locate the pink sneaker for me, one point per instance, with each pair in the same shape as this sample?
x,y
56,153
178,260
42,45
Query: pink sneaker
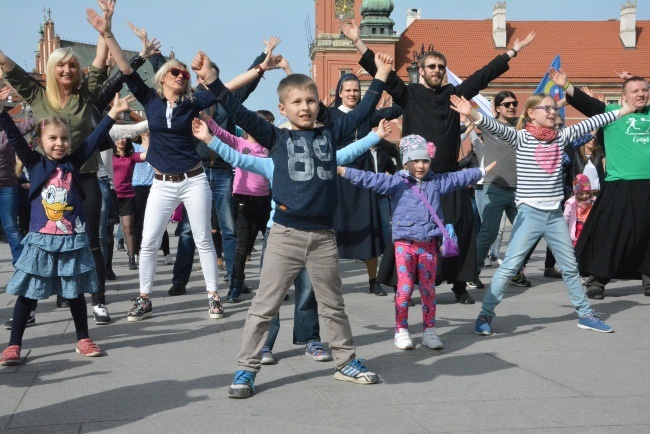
x,y
10,356
88,348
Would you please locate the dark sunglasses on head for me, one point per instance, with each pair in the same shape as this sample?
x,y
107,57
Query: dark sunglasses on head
x,y
510,104
433,66
175,72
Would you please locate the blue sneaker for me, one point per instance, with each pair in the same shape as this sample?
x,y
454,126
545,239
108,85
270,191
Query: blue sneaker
x,y
243,386
355,372
592,322
483,325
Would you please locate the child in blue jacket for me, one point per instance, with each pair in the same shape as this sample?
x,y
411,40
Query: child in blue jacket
x,y
415,233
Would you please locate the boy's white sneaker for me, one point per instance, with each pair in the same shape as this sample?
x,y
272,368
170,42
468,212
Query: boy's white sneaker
x,y
402,340
430,339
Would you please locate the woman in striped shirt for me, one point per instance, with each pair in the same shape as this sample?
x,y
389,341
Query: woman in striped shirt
x,y
539,146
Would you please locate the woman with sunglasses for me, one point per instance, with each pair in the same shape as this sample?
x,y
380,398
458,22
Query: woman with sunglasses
x,y
179,177
497,195
538,146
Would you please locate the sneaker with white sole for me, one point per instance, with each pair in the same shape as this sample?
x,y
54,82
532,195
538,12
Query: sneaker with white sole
x,y
215,309
483,326
267,357
403,340
30,322
243,386
430,339
356,372
592,322
101,314
317,352
142,309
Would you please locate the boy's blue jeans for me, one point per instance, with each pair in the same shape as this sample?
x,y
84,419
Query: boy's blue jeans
x,y
288,251
529,225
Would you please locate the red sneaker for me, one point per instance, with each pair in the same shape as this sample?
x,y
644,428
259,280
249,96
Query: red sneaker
x,y
10,356
88,348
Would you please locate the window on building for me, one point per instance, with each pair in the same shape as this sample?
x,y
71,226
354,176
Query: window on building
x,y
342,72
612,100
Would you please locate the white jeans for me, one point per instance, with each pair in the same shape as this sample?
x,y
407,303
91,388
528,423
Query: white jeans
x,y
164,197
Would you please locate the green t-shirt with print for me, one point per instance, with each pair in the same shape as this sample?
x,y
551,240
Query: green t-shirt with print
x,y
627,146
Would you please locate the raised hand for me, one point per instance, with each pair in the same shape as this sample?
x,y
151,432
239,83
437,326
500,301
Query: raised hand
x,y
626,107
490,166
4,93
519,45
101,24
284,65
350,30
149,48
107,7
461,105
271,61
140,33
384,129
624,75
200,130
558,77
202,65
384,62
120,105
271,43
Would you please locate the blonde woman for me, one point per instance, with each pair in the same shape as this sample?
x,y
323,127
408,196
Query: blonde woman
x,y
69,96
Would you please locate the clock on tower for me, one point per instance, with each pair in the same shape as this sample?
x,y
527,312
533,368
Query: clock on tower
x,y
345,9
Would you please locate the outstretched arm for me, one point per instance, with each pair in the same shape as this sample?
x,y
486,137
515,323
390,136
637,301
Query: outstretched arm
x,y
585,104
355,149
464,107
103,25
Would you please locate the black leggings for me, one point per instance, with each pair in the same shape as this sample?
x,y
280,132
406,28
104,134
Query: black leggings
x,y
24,306
92,205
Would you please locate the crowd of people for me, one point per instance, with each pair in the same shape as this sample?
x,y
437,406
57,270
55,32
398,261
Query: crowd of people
x,y
324,186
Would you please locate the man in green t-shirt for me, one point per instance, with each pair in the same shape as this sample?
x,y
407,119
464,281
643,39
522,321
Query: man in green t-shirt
x,y
615,241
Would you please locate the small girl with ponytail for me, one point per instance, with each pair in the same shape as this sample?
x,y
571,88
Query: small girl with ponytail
x,y
539,145
56,258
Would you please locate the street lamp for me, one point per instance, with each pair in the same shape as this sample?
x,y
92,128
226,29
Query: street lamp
x,y
413,69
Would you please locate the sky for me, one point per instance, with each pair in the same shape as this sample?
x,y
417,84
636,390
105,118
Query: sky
x,y
231,32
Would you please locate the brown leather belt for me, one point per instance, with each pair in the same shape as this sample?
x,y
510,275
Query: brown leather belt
x,y
178,177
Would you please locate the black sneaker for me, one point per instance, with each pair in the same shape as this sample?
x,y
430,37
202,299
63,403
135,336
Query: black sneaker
x,y
177,289
596,293
465,298
101,314
142,309
553,273
520,280
375,288
120,246
475,285
30,322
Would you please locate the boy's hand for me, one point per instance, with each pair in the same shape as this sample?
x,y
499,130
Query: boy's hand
x,y
490,166
120,105
340,170
384,129
200,131
202,65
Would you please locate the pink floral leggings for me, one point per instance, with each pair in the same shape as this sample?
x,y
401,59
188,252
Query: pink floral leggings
x,y
412,257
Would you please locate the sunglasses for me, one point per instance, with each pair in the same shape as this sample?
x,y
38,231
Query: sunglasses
x,y
433,66
509,104
548,108
176,72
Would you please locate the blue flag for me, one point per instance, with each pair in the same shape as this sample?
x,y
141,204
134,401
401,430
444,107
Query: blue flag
x,y
548,87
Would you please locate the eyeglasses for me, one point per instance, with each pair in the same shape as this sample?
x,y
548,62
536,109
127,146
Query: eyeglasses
x,y
509,104
548,108
176,72
433,66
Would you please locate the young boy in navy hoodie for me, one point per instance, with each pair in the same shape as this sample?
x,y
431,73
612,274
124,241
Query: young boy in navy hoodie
x,y
304,189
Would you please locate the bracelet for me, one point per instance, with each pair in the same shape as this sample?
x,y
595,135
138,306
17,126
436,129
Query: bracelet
x,y
514,51
566,86
107,35
260,70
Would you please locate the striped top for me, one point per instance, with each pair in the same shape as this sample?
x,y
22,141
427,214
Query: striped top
x,y
539,163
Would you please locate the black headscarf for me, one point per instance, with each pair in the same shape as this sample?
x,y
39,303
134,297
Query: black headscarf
x,y
345,77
